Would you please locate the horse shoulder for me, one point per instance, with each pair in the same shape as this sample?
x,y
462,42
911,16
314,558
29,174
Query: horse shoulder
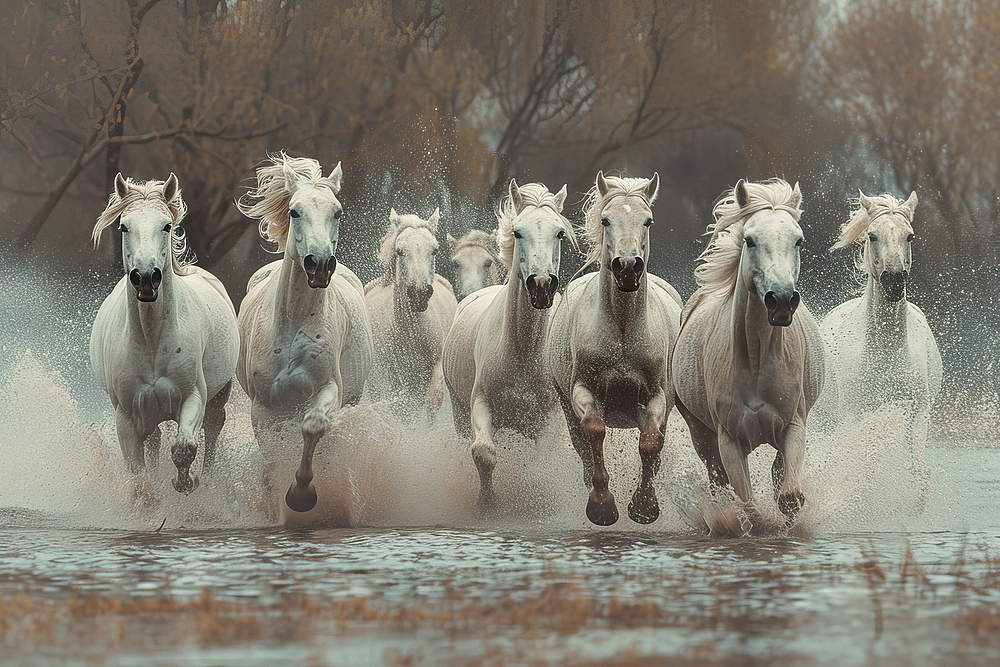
x,y
459,356
262,274
350,277
920,330
814,357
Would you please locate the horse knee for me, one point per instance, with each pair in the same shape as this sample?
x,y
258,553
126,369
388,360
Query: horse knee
x,y
593,427
314,424
485,456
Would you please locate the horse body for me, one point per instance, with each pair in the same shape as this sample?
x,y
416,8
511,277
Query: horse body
x,y
306,341
476,260
169,350
745,370
610,344
494,363
880,348
411,310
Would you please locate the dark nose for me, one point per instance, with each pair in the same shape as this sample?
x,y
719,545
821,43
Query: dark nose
x,y
420,297
319,270
781,308
893,285
541,290
627,272
146,284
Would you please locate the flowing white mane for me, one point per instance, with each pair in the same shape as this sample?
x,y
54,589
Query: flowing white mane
x,y
272,194
532,194
387,252
720,261
150,194
862,216
593,230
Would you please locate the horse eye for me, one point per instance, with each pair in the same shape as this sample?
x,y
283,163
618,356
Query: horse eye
x,y
561,235
648,222
122,227
293,213
338,214
166,227
605,222
517,235
799,242
750,242
871,237
399,251
909,238
434,251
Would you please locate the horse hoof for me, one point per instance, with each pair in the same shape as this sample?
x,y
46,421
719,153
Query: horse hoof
x,y
185,483
644,507
301,498
791,503
601,509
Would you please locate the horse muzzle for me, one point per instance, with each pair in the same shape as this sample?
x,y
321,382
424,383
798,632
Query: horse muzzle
x,y
420,297
893,285
541,290
319,271
146,284
780,308
627,273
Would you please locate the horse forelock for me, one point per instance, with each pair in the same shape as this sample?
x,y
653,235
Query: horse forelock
x,y
269,201
149,194
720,261
534,195
861,218
387,250
595,203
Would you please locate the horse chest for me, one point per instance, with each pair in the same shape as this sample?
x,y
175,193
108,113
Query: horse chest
x,y
300,367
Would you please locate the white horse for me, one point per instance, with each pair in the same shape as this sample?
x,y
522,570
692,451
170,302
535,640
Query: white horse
x,y
880,349
494,363
411,309
477,261
164,343
306,340
748,364
610,342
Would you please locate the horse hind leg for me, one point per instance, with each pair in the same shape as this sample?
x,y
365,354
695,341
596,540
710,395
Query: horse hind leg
x,y
215,419
706,444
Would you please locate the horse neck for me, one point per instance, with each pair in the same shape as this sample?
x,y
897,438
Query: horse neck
x,y
886,321
153,321
621,307
524,327
294,299
754,339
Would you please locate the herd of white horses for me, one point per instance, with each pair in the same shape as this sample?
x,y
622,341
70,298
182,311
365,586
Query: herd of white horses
x,y
742,360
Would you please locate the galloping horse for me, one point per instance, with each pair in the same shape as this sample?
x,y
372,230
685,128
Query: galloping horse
x,y
494,362
306,341
610,342
477,262
748,364
411,309
164,342
880,348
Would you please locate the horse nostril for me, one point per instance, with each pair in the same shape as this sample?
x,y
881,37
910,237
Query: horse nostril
x,y
637,265
134,277
156,278
530,282
793,303
771,300
616,264
553,283
310,263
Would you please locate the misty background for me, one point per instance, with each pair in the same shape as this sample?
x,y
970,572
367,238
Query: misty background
x,y
438,103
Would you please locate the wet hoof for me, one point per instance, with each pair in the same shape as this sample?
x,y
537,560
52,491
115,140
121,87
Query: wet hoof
x,y
790,504
185,483
601,508
644,507
301,498
142,494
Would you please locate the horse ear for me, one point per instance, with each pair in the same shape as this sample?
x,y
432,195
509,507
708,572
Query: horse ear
x,y
796,196
561,198
864,200
170,188
121,187
602,185
911,203
393,216
742,196
515,195
435,218
291,179
336,177
652,188
452,241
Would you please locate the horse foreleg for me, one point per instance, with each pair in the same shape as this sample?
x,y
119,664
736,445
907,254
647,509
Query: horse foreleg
x,y
215,419
189,421
644,507
484,451
578,438
435,391
706,444
130,440
601,509
301,496
734,461
792,453
152,447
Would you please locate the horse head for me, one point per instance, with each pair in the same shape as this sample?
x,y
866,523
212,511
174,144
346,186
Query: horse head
x,y
314,214
475,259
414,249
772,240
887,255
533,240
626,216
